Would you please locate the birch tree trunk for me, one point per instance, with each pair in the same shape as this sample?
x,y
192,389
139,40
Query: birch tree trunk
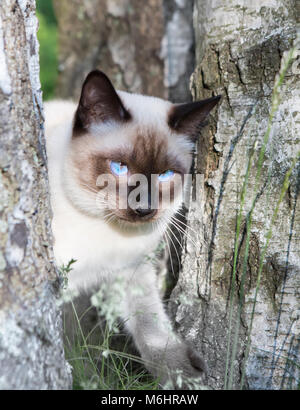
x,y
144,47
178,48
31,349
120,37
239,49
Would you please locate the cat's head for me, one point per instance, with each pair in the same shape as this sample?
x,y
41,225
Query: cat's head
x,y
129,153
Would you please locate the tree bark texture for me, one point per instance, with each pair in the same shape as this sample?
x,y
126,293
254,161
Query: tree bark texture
x,y
178,48
110,35
143,47
31,348
239,48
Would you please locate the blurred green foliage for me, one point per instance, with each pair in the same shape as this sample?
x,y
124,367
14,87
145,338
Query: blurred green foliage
x,y
47,36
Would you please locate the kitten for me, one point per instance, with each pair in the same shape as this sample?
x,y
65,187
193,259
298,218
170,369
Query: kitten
x,y
119,135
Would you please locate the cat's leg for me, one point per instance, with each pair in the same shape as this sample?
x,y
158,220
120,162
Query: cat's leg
x,y
164,353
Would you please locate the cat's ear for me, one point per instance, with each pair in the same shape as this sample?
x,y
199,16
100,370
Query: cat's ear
x,y
188,118
99,102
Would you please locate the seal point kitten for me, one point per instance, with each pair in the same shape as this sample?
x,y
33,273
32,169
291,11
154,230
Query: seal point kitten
x,y
118,135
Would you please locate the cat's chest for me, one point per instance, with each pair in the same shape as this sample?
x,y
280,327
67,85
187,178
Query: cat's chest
x,y
94,244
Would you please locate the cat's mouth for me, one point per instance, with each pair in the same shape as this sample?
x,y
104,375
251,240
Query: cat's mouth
x,y
137,216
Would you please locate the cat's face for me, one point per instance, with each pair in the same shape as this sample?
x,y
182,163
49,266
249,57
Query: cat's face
x,y
129,153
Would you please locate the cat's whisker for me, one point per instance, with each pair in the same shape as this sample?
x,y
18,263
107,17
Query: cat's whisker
x,y
109,214
89,188
177,240
169,230
181,233
185,225
185,234
162,228
178,212
111,218
170,255
178,227
167,239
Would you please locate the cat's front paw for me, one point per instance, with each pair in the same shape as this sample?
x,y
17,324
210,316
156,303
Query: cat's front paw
x,y
180,367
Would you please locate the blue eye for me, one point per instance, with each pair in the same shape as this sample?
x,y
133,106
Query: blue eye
x,y
118,168
166,176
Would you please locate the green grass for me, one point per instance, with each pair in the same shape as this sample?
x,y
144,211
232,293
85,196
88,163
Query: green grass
x,y
101,367
96,363
47,36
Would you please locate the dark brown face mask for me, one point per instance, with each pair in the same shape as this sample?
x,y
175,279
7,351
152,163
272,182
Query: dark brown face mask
x,y
155,149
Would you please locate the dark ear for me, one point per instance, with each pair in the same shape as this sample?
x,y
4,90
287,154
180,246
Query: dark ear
x,y
187,118
98,102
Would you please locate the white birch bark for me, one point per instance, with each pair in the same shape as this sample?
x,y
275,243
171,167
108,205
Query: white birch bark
x,y
177,48
240,45
31,348
120,37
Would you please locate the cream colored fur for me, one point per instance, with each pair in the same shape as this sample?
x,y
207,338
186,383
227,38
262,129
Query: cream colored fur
x,y
102,251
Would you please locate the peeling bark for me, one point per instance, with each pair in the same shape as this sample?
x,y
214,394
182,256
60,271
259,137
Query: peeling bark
x,y
31,348
239,48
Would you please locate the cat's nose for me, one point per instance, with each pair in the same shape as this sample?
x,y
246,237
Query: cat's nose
x,y
143,213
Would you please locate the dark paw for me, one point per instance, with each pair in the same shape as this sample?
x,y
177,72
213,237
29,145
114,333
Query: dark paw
x,y
184,368
196,360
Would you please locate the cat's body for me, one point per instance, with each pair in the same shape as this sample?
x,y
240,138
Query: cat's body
x,y
138,135
101,250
